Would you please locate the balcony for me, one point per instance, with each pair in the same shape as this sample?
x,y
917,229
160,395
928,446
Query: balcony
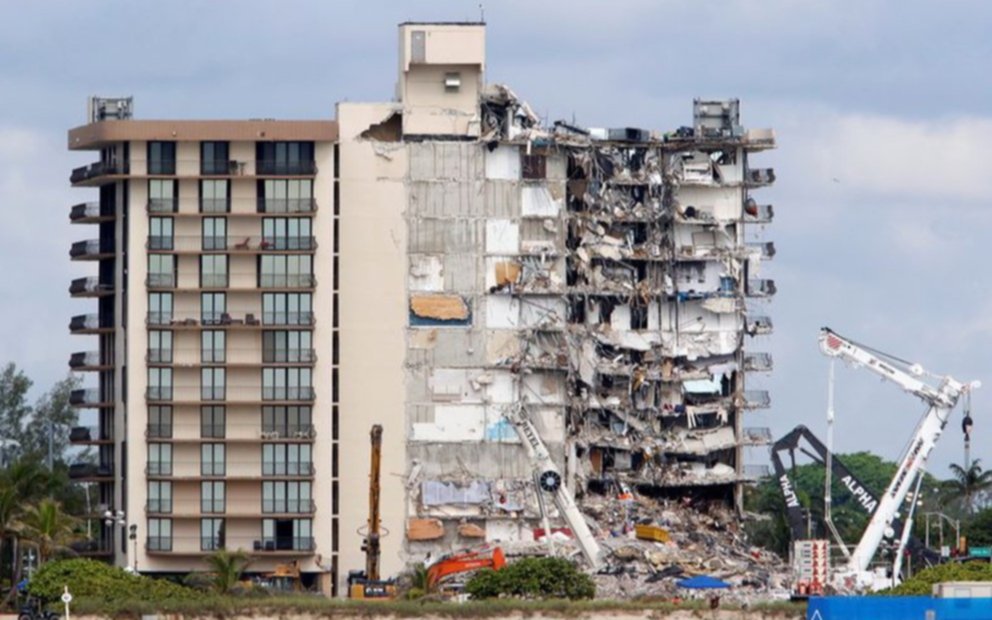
x,y
287,393
759,177
88,324
757,214
92,249
158,355
286,205
90,213
162,205
288,318
221,167
197,244
283,280
757,399
289,469
289,356
87,435
215,205
161,280
756,436
288,506
205,545
93,172
761,288
760,362
92,547
158,393
757,325
90,472
88,360
88,397
90,287
764,250
233,432
158,468
274,167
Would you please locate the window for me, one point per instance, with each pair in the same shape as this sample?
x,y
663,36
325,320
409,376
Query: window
x,y
213,348
162,194
213,270
285,271
533,166
159,534
287,421
214,233
160,384
287,309
159,346
213,308
287,233
212,459
288,346
215,196
213,383
160,421
211,534
214,158
287,384
159,308
281,158
287,534
160,459
161,158
162,270
285,196
286,459
287,497
159,496
452,82
212,421
160,235
212,496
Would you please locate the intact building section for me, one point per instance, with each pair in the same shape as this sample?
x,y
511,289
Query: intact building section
x,y
212,430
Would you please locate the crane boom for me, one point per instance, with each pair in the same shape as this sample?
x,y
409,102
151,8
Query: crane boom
x,y
550,480
372,550
940,400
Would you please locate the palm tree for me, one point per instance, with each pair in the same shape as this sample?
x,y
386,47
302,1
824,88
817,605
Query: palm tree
x,y
227,567
21,482
48,528
966,485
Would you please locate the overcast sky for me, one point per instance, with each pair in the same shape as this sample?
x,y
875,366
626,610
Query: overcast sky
x,y
882,111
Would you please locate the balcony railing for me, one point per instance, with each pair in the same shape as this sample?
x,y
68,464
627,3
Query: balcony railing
x,y
756,435
161,280
288,318
158,468
83,322
159,505
98,169
765,249
758,361
85,396
86,434
89,286
283,468
757,214
158,543
91,248
159,393
213,468
85,359
159,356
757,399
233,243
89,211
214,280
288,431
757,325
287,393
208,544
212,393
161,242
286,205
93,546
281,280
159,431
159,318
90,470
163,205
213,431
225,167
215,205
757,177
301,356
285,168
761,288
288,506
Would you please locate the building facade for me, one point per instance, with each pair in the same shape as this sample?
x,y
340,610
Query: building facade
x,y
268,290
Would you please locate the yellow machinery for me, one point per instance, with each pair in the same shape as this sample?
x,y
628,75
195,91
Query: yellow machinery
x,y
367,584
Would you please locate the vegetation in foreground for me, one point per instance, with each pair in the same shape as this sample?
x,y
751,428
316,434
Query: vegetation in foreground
x,y
532,578
922,582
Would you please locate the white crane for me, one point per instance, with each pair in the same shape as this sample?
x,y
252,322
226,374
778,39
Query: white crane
x,y
941,401
549,480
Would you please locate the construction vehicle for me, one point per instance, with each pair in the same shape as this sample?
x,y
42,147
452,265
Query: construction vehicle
x,y
856,574
548,479
488,557
367,584
285,578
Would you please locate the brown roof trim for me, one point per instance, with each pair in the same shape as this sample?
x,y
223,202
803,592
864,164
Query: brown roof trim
x,y
96,135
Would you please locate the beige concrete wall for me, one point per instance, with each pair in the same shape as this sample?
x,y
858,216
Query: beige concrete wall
x,y
372,322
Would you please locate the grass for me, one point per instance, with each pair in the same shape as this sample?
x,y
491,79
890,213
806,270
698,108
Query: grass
x,y
226,606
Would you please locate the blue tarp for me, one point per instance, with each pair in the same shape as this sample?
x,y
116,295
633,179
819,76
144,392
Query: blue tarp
x,y
702,582
897,608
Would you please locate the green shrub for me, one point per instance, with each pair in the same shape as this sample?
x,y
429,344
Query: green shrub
x,y
89,579
532,578
923,581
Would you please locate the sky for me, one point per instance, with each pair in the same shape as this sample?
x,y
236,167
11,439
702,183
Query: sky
x,y
881,109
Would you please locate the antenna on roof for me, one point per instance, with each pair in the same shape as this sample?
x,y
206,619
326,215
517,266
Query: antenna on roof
x,y
482,14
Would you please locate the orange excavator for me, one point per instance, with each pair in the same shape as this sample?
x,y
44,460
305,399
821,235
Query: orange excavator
x,y
367,584
488,557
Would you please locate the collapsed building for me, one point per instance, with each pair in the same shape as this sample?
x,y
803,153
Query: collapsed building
x,y
606,281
